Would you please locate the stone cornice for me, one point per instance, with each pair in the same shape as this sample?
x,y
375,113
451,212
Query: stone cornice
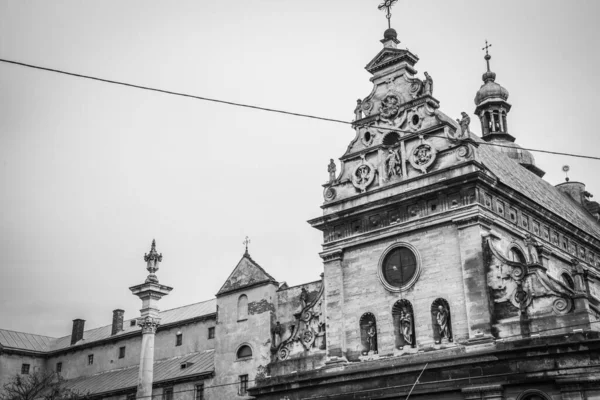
x,y
334,255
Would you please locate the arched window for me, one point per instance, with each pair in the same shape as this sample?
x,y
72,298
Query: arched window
x,y
404,324
368,333
242,308
441,321
516,255
244,352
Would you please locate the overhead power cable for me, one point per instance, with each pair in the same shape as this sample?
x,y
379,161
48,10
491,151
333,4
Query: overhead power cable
x,y
255,107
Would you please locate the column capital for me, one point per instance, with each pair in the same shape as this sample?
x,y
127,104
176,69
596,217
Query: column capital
x,y
334,255
148,324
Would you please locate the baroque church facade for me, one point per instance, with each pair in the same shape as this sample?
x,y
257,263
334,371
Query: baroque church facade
x,y
451,270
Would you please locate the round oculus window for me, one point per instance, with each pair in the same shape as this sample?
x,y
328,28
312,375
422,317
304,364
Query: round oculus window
x,y
399,267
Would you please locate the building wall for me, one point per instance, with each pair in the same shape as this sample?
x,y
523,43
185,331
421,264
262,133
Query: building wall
x,y
106,356
10,365
254,331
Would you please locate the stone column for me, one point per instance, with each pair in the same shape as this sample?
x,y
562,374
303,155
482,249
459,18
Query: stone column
x,y
334,305
150,292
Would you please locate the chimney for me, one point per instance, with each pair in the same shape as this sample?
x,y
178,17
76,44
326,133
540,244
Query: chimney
x,y
117,322
77,334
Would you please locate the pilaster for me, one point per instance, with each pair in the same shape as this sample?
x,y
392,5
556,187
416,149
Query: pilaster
x,y
334,306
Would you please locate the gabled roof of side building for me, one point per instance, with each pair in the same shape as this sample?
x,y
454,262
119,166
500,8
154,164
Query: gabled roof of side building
x,y
247,273
39,343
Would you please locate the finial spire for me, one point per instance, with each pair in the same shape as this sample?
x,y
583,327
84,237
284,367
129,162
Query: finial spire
x,y
387,5
246,243
487,54
152,259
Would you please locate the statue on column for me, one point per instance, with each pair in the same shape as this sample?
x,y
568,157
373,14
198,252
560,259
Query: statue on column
x,y
464,123
428,85
331,169
358,114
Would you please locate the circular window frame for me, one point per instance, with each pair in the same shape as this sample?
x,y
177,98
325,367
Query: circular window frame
x,y
415,277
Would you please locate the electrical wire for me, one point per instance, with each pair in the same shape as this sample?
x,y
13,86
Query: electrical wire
x,y
236,104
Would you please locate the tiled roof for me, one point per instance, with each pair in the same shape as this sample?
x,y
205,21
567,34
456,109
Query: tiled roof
x,y
513,175
26,341
126,378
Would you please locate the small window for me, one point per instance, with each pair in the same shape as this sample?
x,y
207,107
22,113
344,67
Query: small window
x,y
199,391
122,352
90,359
179,339
132,323
242,308
168,393
243,385
58,367
211,332
25,369
244,352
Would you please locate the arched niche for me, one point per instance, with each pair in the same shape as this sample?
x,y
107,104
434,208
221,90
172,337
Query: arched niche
x,y
516,254
404,324
242,308
368,333
441,321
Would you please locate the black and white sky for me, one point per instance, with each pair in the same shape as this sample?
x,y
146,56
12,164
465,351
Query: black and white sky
x,y
91,172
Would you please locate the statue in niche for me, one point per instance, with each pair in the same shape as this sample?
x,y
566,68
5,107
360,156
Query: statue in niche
x,y
428,85
358,114
464,123
532,249
392,164
406,326
372,337
331,169
440,313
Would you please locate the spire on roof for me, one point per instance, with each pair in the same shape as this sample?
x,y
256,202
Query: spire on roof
x,y
390,37
246,242
152,259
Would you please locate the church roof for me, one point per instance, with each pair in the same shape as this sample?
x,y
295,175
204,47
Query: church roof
x,y
513,175
38,343
247,273
127,378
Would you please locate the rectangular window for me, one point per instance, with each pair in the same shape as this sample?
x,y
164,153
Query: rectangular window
x,y
90,359
122,352
133,322
25,369
58,367
168,393
243,385
200,391
211,332
179,339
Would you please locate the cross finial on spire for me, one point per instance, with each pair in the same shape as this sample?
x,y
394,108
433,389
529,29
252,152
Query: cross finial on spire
x,y
487,54
387,5
246,243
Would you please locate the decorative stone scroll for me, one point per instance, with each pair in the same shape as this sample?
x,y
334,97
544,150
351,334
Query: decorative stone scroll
x,y
363,175
308,331
521,284
422,156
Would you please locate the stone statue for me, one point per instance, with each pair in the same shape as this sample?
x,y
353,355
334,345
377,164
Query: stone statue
x,y
277,332
531,244
442,322
372,337
406,326
392,164
464,123
428,85
303,298
358,110
331,170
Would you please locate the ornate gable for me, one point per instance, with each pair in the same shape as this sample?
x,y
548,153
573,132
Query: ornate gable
x,y
247,273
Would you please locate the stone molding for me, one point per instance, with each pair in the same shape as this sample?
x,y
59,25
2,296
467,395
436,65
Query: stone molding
x,y
489,392
471,220
336,255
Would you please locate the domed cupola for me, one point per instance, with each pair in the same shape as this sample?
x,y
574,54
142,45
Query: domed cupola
x,y
492,109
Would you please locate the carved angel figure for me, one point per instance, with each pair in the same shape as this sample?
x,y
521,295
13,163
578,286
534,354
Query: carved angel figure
x,y
428,85
464,123
331,169
392,164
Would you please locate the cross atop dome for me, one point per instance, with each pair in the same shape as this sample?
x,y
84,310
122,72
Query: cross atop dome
x,y
387,5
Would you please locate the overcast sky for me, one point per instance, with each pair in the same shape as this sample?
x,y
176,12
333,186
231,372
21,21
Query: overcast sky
x,y
91,172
